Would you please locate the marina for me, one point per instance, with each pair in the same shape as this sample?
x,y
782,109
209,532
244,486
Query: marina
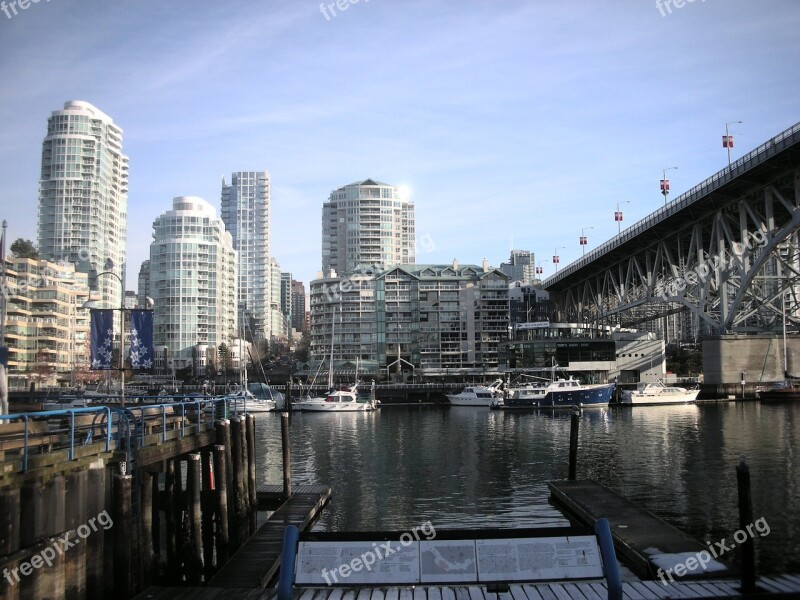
x,y
509,476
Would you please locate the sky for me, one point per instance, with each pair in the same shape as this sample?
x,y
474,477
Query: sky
x,y
512,123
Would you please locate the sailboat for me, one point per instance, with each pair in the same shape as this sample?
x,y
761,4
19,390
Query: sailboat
x,y
787,390
344,399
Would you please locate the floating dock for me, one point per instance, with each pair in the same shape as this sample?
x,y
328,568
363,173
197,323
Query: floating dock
x,y
643,541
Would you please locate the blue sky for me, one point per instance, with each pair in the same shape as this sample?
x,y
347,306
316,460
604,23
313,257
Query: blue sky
x,y
511,122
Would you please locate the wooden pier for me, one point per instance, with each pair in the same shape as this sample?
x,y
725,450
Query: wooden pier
x,y
103,502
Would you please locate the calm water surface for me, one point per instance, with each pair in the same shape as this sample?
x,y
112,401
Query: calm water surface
x,y
399,467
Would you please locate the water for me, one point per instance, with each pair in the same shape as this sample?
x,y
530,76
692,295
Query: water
x,y
400,467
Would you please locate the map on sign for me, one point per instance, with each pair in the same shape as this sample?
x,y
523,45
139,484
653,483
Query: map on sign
x,y
532,559
447,561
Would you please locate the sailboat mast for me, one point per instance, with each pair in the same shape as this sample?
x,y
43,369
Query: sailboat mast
x,y
330,366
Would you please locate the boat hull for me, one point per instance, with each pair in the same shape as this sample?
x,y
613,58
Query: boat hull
x,y
310,406
635,399
455,400
588,396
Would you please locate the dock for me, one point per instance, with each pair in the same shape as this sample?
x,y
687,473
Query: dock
x,y
258,560
643,541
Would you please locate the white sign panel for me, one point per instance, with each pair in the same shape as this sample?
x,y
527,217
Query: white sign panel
x,y
532,559
448,561
356,563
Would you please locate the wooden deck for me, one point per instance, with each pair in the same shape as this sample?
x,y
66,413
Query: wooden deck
x,y
255,563
640,537
783,586
270,496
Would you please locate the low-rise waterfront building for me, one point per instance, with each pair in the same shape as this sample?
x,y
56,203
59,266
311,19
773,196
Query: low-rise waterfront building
x,y
47,330
424,321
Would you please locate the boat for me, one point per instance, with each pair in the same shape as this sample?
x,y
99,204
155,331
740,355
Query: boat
x,y
788,389
659,393
571,392
341,399
247,402
477,395
67,401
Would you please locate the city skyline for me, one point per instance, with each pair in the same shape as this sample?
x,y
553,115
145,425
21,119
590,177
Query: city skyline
x,y
509,119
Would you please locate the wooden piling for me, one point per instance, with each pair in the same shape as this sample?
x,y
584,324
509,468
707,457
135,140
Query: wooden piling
x,y
224,440
177,574
221,489
746,520
76,518
287,456
169,518
156,541
250,434
239,528
207,507
123,561
9,534
573,444
31,531
54,526
287,400
95,545
146,554
193,484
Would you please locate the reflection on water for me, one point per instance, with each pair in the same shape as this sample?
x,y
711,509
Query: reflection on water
x,y
471,467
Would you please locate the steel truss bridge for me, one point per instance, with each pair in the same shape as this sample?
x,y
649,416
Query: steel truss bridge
x,y
723,256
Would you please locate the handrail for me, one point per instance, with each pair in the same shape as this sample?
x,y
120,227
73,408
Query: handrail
x,y
291,535
610,565
124,415
69,413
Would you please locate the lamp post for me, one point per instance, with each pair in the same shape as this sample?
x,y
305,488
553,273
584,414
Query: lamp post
x,y
665,183
539,269
618,216
584,240
556,258
110,265
727,140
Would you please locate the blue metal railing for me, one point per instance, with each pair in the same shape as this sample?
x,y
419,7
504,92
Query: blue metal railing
x,y
610,565
124,427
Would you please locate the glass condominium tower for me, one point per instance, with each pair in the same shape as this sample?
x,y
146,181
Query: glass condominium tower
x,y
193,268
367,223
83,196
245,210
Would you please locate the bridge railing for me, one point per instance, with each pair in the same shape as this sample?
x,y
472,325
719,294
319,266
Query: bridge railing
x,y
750,160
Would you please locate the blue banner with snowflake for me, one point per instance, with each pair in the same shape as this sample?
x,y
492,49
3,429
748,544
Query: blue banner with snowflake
x,y
102,339
141,353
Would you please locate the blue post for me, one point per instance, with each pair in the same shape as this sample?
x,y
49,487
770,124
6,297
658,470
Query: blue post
x,y
610,566
291,535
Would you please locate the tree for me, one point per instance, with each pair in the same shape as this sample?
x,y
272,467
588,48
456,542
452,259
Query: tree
x,y
225,359
22,248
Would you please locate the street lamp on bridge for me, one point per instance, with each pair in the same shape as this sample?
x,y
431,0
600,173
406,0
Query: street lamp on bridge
x,y
665,183
618,216
556,259
584,240
727,140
